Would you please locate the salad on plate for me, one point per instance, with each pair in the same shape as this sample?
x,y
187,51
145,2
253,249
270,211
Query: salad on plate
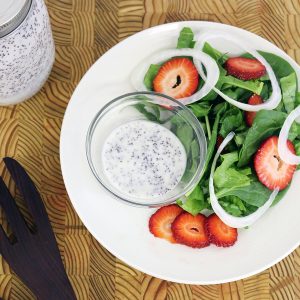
x,y
248,106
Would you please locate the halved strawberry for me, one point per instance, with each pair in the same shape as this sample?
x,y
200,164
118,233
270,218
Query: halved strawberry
x,y
245,68
250,115
177,78
270,169
189,230
219,233
160,222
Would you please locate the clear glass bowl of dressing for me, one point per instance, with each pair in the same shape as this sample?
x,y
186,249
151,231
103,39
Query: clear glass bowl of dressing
x,y
146,149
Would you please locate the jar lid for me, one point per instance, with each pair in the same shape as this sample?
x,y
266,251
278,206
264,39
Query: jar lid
x,y
12,13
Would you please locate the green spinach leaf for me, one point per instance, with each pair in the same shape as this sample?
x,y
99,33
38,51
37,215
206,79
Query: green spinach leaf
x,y
254,194
279,65
266,123
200,109
231,120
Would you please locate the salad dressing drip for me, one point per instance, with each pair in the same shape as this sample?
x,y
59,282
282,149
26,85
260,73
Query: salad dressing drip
x,y
143,159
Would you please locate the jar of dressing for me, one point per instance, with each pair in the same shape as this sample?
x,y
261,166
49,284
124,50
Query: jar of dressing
x,y
26,49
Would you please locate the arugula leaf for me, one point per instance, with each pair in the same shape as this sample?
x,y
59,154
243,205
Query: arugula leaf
x,y
195,202
212,95
266,123
288,87
229,177
212,142
254,86
200,109
186,38
220,58
150,75
215,54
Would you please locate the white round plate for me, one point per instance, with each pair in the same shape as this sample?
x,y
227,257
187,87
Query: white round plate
x,y
123,229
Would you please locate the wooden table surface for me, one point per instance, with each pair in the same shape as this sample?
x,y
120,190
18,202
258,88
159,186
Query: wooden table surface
x,y
83,30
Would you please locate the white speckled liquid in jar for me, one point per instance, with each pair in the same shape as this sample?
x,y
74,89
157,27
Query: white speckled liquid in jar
x,y
26,49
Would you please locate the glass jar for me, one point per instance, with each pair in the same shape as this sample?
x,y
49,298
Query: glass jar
x,y
27,49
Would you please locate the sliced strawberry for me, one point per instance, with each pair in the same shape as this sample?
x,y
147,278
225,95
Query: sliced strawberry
x,y
245,68
160,222
177,78
189,230
270,169
219,233
250,115
220,139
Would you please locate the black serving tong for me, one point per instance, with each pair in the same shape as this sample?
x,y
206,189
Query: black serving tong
x,y
34,256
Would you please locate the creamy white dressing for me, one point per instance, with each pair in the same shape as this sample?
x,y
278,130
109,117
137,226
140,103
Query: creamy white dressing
x,y
143,159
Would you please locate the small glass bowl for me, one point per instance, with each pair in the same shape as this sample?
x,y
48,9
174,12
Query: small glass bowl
x,y
160,109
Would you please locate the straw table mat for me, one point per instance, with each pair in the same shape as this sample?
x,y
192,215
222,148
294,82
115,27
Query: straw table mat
x,y
83,30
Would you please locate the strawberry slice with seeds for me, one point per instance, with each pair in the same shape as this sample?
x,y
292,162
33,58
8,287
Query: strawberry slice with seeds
x,y
160,222
250,115
219,233
177,78
189,230
245,68
271,170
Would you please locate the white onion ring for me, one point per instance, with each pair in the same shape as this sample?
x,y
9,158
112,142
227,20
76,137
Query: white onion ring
x,y
236,222
275,97
285,154
138,74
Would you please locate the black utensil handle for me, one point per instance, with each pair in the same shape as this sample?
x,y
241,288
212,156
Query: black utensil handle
x,y
63,291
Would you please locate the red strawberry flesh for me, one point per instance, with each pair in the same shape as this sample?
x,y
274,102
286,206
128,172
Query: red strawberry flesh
x,y
177,78
219,233
160,222
220,139
250,115
245,68
271,170
189,230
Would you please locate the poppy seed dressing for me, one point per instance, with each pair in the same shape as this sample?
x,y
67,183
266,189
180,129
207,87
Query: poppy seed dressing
x,y
143,159
26,52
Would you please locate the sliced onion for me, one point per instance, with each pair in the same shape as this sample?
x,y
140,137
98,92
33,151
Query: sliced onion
x,y
285,154
236,222
137,77
275,97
